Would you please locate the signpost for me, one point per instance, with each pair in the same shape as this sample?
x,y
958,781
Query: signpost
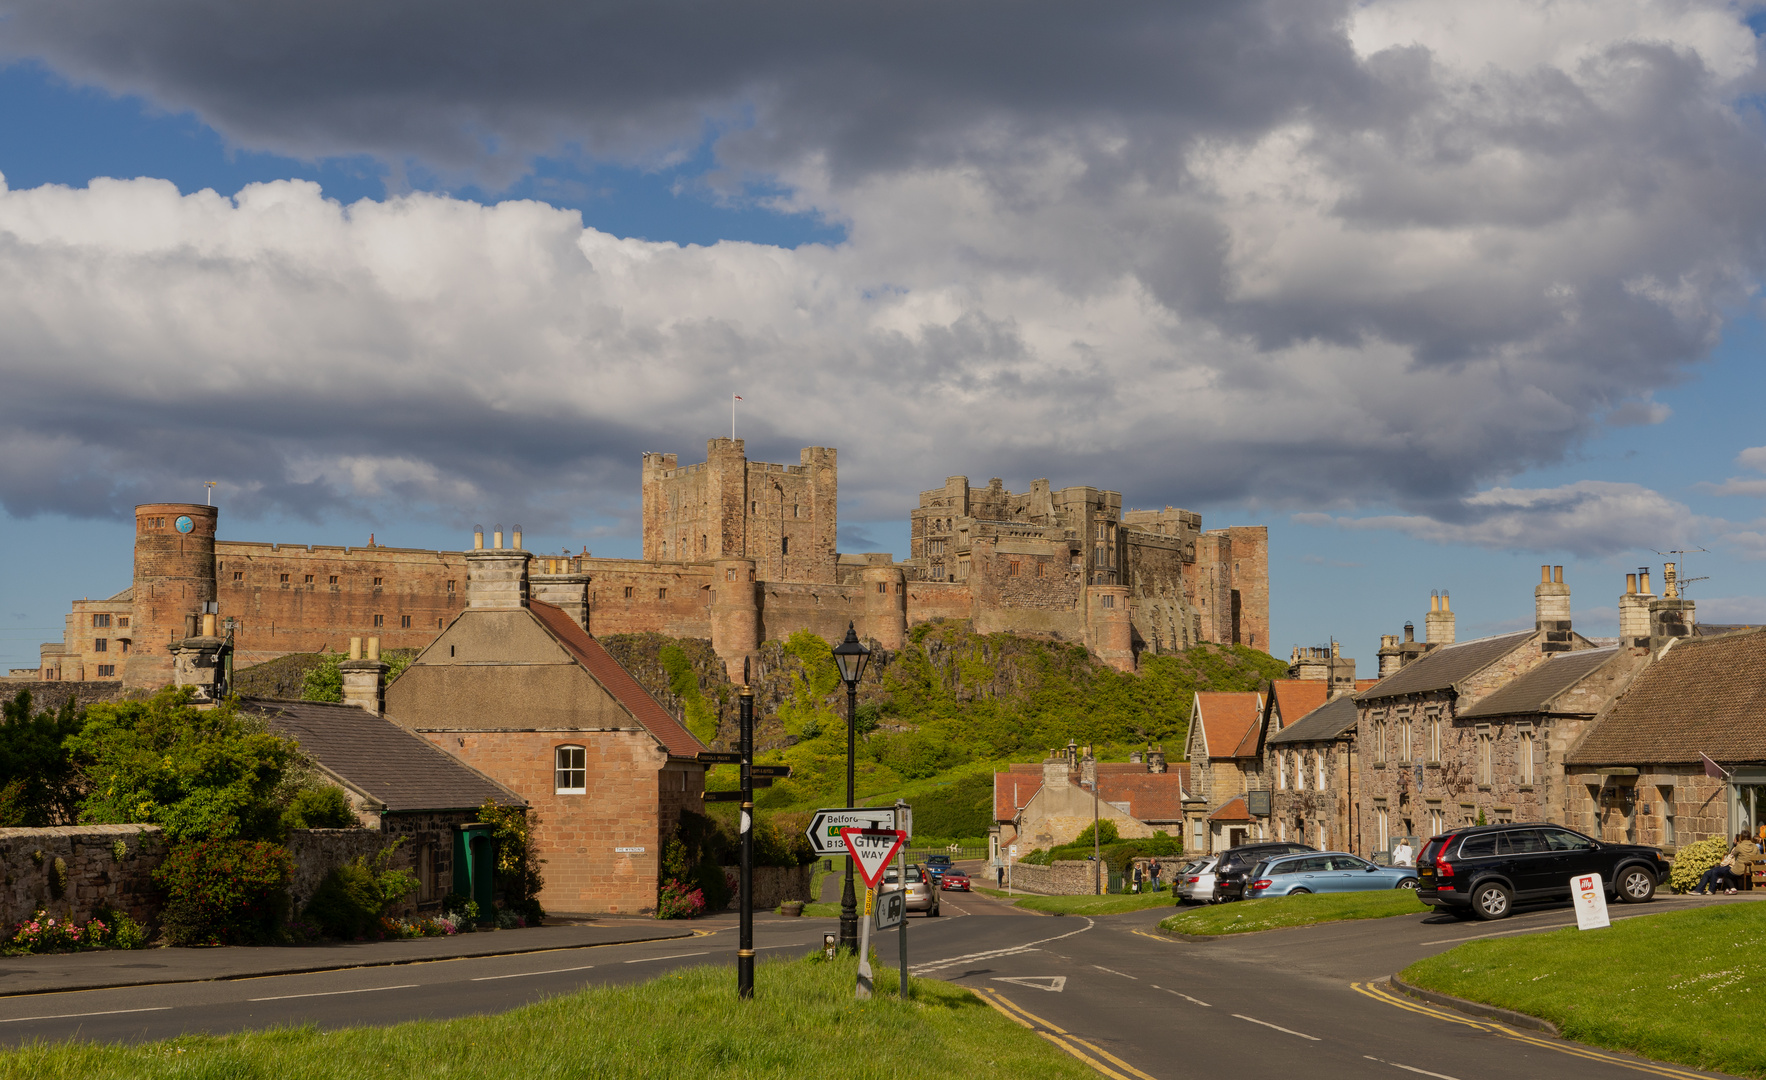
x,y
892,909
1590,899
871,850
745,913
903,813
824,828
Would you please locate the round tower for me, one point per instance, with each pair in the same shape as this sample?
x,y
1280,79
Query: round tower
x,y
886,605
1108,630
735,613
174,578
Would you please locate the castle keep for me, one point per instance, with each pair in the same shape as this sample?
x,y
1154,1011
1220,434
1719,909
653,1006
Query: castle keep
x,y
735,551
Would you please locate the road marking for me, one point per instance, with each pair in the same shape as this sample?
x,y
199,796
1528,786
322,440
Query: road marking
x,y
1533,929
1654,1068
1026,1013
1002,1010
1277,1027
1101,967
334,993
789,945
1029,946
1054,984
1166,938
1081,1055
675,956
524,974
1112,1057
1410,1068
1062,1038
1185,996
68,1016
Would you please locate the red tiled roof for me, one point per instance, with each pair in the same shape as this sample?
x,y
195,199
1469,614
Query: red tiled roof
x,y
1028,781
1296,697
677,740
1363,684
1234,810
1226,719
1151,797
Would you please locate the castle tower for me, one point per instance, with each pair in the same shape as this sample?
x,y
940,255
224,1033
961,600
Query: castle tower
x,y
174,580
735,613
1108,632
886,605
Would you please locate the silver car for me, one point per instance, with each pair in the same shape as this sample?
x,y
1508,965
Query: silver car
x,y
1195,883
922,888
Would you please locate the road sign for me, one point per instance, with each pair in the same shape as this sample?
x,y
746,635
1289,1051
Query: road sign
x,y
1590,900
871,850
824,829
723,796
892,909
781,771
718,757
1014,851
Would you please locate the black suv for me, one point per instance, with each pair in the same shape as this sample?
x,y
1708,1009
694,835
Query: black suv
x,y
1485,869
1237,863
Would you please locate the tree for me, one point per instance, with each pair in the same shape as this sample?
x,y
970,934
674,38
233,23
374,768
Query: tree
x,y
197,773
38,783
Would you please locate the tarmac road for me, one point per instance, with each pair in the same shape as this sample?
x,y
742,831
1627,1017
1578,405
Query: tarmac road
x,y
1137,1004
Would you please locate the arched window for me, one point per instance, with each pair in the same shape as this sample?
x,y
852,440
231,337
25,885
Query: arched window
x,y
571,769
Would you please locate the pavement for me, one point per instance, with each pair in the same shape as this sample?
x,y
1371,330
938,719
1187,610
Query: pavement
x,y
1135,1003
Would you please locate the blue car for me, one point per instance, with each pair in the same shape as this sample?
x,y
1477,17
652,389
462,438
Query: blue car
x,y
1325,872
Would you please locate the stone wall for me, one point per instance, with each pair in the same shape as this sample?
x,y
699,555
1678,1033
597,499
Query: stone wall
x,y
99,866
317,852
1061,879
773,885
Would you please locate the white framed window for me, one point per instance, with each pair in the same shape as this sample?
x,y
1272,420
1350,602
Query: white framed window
x,y
1299,770
1484,755
571,770
1404,746
1435,821
1281,770
1434,737
1526,755
1380,740
1321,770
1384,826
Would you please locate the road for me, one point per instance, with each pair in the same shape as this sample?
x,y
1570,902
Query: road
x,y
1135,1003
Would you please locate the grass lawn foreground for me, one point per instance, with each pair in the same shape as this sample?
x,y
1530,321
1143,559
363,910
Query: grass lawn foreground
x,y
1679,987
687,1024
1250,916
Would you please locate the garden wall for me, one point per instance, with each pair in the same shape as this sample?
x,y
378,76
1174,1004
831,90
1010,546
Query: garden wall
x,y
773,885
71,871
1061,879
317,852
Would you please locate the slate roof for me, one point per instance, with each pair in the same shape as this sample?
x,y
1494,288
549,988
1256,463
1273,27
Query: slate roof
x,y
1228,720
1232,810
1328,721
677,740
380,759
1445,668
1534,691
1705,695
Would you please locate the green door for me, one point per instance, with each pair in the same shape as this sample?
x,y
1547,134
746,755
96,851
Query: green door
x,y
475,861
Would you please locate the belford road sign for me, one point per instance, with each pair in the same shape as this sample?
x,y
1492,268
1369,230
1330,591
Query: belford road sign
x,y
824,829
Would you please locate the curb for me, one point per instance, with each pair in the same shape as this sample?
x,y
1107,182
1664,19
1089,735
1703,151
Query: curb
x,y
1474,1008
308,969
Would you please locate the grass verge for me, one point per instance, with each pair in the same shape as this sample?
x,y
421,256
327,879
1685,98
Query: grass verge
x,y
685,1024
1676,987
1250,916
1095,905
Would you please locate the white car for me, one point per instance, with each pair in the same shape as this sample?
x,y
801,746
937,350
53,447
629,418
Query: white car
x,y
1195,883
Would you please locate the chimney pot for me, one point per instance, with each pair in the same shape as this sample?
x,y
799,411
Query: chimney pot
x,y
1410,631
1444,604
516,542
1545,575
1630,584
1643,581
478,538
497,537
208,624
355,648
1557,575
373,648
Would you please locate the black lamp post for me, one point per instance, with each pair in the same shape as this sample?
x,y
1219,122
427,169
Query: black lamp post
x,y
851,655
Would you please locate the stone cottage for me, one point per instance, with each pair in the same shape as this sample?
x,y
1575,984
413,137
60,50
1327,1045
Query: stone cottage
x,y
1309,764
1228,803
1048,804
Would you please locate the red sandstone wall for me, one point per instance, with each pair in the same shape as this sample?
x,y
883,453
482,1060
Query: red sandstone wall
x,y
628,596
928,600
1250,577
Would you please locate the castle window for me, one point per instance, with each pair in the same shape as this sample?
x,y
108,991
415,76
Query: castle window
x,y
380,620
704,542
122,621
334,581
101,620
1041,568
1016,566
239,575
628,592
282,578
106,670
404,622
377,582
882,586
662,594
101,645
796,510
438,626
309,580
784,545
1108,601
754,508
124,642
450,584
571,770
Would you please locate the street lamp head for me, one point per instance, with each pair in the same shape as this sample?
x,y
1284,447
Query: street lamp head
x,y
851,655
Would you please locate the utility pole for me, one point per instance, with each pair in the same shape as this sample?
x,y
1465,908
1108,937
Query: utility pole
x,y
901,932
745,933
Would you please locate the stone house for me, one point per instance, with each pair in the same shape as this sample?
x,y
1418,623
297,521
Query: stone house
x,y
1048,804
1421,766
1637,774
1309,764
518,689
1228,801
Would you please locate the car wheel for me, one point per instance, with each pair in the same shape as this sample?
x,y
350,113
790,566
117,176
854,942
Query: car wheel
x,y
1492,900
1408,883
1636,885
1298,892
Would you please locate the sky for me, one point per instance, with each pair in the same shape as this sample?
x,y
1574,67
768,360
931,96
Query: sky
x,y
1438,292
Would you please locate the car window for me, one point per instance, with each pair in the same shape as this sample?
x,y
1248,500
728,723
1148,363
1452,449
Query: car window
x,y
1427,855
1522,842
1348,862
913,874
1473,847
1565,840
891,874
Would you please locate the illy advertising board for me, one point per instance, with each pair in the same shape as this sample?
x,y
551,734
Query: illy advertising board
x,y
1590,898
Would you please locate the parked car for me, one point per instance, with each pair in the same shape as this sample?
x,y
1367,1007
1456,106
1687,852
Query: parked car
x,y
1325,872
922,890
954,879
937,866
1237,863
1485,870
1195,882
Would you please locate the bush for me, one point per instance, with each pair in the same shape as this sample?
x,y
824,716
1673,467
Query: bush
x,y
323,681
1691,862
224,892
677,901
353,898
319,808
1106,832
518,870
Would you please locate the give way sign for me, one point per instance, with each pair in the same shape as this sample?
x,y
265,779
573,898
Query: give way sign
x,y
871,850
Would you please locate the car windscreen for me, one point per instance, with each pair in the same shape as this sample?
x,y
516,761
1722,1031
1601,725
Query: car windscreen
x,y
1430,849
1474,847
913,875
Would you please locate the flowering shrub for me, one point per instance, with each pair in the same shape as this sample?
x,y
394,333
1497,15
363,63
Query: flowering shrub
x,y
42,933
676,901
1691,862
434,926
223,892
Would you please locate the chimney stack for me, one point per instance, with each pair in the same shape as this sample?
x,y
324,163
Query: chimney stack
x,y
364,678
1438,627
1156,759
1634,625
1409,631
1551,610
1672,615
496,579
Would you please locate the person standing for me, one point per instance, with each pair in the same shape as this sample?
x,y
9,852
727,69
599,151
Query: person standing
x,y
1155,874
1402,855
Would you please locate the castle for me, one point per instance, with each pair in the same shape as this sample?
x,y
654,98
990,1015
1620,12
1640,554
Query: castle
x,y
734,550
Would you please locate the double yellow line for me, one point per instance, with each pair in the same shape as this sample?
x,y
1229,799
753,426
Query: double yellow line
x,y
1381,994
1117,1069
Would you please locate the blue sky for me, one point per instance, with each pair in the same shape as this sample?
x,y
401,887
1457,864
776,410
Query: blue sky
x,y
1046,257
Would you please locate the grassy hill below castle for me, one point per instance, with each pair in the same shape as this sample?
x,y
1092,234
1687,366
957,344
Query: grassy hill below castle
x,y
937,717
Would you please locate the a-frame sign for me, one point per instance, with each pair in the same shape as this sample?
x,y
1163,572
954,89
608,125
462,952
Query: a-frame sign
x,y
871,851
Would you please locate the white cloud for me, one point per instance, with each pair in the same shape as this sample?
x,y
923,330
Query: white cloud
x,y
1754,457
